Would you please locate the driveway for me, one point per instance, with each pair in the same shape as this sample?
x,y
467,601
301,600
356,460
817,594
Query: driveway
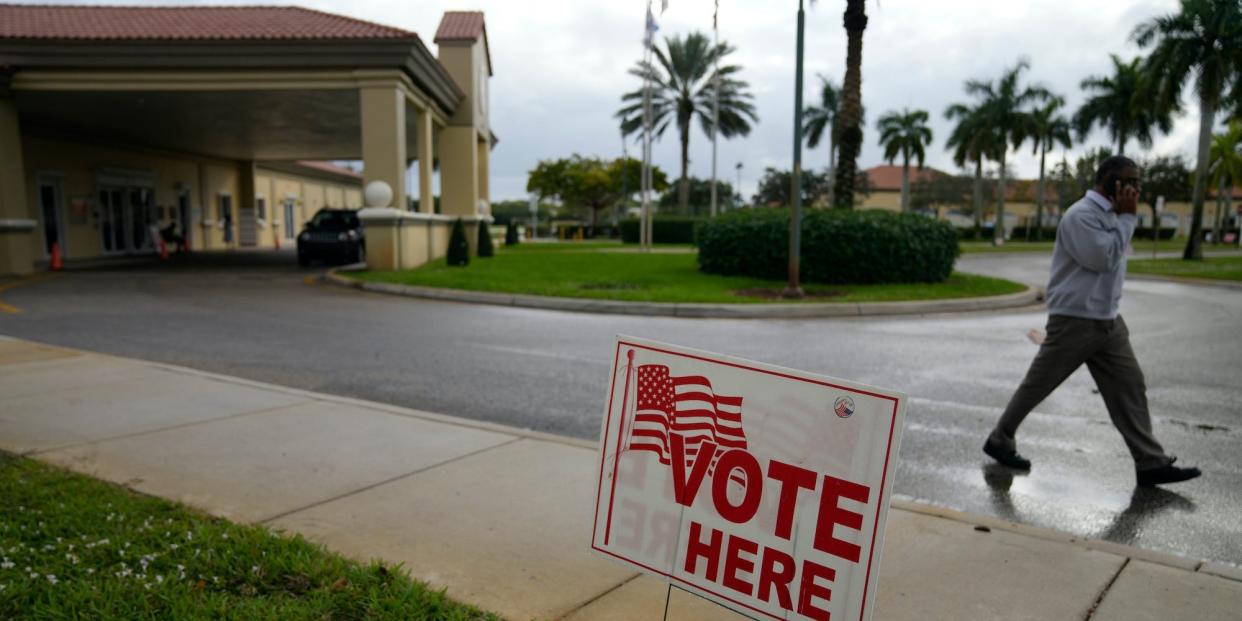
x,y
255,317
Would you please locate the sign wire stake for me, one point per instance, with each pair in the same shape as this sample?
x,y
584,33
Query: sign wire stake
x,y
668,594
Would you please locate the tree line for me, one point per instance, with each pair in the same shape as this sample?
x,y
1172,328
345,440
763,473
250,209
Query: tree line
x,y
1200,44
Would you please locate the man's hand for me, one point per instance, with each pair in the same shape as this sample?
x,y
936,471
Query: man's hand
x,y
1127,198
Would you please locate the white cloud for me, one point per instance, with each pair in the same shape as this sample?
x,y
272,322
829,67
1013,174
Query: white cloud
x,y
560,68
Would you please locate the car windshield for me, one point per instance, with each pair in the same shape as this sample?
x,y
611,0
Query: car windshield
x,y
335,220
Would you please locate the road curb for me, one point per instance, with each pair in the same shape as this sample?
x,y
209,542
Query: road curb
x,y
1203,282
1031,296
922,507
985,522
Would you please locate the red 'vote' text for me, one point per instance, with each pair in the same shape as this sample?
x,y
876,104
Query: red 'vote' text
x,y
773,571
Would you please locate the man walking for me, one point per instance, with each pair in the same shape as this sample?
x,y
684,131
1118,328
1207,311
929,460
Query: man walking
x,y
1088,268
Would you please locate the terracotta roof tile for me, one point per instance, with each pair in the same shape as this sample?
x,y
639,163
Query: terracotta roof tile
x,y
460,26
888,178
328,167
184,23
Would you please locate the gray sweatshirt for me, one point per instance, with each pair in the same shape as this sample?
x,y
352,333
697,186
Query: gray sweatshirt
x,y
1089,259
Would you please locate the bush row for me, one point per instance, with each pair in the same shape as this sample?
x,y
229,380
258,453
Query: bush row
x,y
1145,232
838,246
1047,233
664,230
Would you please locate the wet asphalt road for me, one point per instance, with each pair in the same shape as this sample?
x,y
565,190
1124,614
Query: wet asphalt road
x,y
253,316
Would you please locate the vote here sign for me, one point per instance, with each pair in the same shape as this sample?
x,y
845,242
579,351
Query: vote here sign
x,y
761,488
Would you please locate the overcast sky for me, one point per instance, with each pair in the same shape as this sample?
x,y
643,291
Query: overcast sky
x,y
560,69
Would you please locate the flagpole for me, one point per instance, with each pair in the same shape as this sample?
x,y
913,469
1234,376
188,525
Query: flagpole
x,y
715,100
645,215
616,459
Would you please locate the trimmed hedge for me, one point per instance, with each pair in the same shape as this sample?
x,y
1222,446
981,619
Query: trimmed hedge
x,y
484,246
458,248
1145,232
664,230
838,246
1048,233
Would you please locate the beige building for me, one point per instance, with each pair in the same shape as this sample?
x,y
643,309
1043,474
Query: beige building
x,y
116,122
1020,207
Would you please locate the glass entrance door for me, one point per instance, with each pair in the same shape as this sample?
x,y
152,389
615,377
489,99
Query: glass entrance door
x,y
126,216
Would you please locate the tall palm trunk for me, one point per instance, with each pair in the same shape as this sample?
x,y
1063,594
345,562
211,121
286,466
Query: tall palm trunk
x,y
1207,116
998,233
683,188
905,183
1224,218
1122,138
850,115
832,164
978,197
1039,197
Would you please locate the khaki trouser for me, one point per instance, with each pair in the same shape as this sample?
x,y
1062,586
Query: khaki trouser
x,y
1105,346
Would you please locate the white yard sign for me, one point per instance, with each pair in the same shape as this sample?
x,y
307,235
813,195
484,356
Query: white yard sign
x,y
761,488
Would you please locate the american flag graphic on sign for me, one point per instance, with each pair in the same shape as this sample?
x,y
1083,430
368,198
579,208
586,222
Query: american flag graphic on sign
x,y
685,405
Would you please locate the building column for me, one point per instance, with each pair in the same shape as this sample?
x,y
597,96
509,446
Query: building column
x,y
426,159
484,159
247,218
383,139
459,171
17,227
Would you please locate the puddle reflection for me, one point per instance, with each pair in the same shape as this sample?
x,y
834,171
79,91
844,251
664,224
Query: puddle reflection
x,y
1124,526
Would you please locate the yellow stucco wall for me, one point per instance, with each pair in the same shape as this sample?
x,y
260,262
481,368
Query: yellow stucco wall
x,y
80,169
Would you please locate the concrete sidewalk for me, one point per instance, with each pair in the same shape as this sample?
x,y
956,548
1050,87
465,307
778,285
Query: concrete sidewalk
x,y
500,517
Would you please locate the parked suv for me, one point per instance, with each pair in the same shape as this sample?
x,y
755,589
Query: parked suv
x,y
334,236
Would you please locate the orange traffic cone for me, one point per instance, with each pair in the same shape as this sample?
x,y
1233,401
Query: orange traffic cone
x,y
163,250
57,263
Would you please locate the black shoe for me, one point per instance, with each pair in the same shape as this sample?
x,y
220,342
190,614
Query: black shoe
x,y
1009,458
1167,473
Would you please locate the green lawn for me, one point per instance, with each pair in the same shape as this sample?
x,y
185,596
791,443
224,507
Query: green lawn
x,y
72,547
1212,268
656,277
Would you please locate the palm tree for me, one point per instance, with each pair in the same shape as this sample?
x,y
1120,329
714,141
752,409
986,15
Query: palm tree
x,y
1203,39
1004,106
849,121
1047,129
972,140
1122,106
1226,170
682,87
905,133
816,119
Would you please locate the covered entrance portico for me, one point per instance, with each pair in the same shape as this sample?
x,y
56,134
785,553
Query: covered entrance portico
x,y
195,117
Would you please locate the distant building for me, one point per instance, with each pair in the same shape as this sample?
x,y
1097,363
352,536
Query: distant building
x,y
219,122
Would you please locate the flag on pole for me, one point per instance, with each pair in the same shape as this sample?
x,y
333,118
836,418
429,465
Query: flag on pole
x,y
651,28
687,406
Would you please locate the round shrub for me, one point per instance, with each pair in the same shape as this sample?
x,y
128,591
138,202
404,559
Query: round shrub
x,y
838,246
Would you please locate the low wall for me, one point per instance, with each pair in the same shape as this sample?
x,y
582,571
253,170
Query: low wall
x,y
402,240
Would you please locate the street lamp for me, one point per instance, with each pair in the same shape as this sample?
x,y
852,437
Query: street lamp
x,y
737,189
793,289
